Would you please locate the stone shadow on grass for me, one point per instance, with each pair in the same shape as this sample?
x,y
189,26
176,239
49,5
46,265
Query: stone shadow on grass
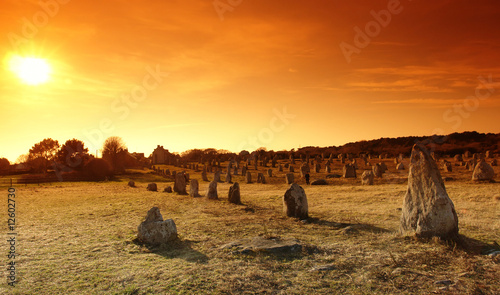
x,y
176,249
474,246
351,226
273,247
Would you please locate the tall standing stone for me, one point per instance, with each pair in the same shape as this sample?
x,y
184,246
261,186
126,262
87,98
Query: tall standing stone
x,y
295,202
328,169
244,170
249,177
270,172
349,171
427,209
383,167
377,170
447,167
193,188
180,184
234,194
228,177
367,178
289,178
212,191
216,176
304,169
261,178
204,175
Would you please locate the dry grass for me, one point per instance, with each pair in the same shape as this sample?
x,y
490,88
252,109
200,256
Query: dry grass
x,y
77,238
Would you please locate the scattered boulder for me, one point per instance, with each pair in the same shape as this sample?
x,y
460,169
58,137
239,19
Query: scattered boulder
x,y
193,188
156,231
319,182
400,166
427,209
494,162
131,183
234,194
168,189
152,187
483,172
180,184
295,202
367,177
212,191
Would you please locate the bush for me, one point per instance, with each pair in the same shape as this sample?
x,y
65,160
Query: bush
x,y
98,169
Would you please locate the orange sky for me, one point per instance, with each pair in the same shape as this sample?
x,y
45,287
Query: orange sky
x,y
262,73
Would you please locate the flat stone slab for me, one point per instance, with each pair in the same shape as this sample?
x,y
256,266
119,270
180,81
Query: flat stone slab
x,y
260,244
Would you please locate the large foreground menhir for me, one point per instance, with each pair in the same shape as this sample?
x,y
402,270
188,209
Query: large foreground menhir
x,y
427,209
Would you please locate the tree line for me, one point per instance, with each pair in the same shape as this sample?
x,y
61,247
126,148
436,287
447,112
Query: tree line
x,y
72,156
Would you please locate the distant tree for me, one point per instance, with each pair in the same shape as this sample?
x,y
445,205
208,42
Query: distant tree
x,y
111,150
22,159
243,154
42,153
98,169
73,154
192,155
4,165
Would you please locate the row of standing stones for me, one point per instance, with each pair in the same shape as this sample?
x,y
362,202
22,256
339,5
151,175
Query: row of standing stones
x,y
427,209
482,171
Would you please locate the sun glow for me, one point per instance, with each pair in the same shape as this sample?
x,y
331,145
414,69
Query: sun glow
x,y
30,70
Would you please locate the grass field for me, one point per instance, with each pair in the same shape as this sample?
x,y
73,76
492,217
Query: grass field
x,y
78,238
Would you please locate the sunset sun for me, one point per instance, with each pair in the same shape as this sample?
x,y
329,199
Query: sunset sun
x,y
30,70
